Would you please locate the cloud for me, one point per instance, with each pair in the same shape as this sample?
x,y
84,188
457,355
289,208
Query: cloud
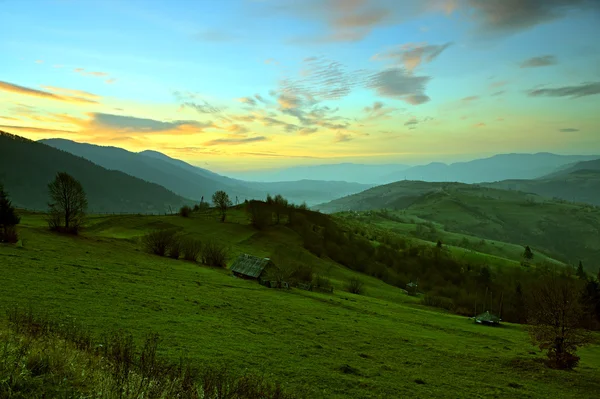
x,y
499,83
470,99
397,83
480,124
568,130
82,71
216,36
351,20
585,89
234,141
247,100
13,88
30,129
411,122
342,137
203,108
71,92
9,118
498,93
507,16
412,55
110,81
378,111
540,61
307,131
39,61
271,61
129,124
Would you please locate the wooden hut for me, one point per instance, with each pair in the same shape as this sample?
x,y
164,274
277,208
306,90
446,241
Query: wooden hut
x,y
250,267
411,288
488,319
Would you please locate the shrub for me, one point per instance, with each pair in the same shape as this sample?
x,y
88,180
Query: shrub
x,y
355,286
322,282
185,211
9,235
214,254
158,241
174,249
438,302
191,249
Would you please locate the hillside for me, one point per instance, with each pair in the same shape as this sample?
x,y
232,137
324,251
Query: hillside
x,y
340,345
495,168
26,168
562,230
193,182
579,182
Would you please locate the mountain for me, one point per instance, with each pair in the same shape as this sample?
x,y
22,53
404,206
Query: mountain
x,y
496,168
193,182
563,230
349,172
579,182
26,168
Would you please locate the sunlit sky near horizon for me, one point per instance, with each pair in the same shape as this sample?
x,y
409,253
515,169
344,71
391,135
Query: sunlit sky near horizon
x,y
250,84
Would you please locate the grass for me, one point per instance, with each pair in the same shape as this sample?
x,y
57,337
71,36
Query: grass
x,y
379,344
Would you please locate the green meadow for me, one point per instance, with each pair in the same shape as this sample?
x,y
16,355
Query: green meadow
x,y
378,345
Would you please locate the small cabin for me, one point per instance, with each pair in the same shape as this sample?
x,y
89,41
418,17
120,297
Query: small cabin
x,y
411,288
250,267
488,319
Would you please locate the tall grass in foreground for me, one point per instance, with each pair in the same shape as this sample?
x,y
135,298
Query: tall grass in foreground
x,y
44,358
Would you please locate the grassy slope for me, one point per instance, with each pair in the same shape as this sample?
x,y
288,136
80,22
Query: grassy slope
x,y
298,337
562,230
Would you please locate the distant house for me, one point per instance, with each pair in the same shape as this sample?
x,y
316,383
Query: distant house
x,y
250,267
488,319
411,288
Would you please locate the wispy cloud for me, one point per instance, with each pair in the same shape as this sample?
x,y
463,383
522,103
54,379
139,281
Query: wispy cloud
x,y
412,55
13,88
82,71
582,90
397,83
568,130
342,137
71,92
544,60
31,129
233,141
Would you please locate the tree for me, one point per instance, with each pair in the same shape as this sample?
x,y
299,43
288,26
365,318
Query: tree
x,y
8,218
555,313
222,202
281,205
527,256
68,203
580,272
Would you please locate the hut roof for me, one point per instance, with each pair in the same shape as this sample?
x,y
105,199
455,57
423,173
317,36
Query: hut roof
x,y
248,265
487,317
411,284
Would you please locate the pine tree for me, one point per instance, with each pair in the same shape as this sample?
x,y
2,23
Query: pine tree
x,y
8,218
580,272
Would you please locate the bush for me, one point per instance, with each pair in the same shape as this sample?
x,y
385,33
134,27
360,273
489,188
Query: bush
x,y
438,302
322,282
158,241
191,249
214,254
185,211
355,286
174,248
9,235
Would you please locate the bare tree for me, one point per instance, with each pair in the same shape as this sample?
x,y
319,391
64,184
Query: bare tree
x,y
554,313
222,202
68,203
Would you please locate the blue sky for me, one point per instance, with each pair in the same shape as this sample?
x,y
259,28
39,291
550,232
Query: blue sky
x,y
250,84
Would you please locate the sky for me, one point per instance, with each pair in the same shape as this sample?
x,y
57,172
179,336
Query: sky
x,y
237,85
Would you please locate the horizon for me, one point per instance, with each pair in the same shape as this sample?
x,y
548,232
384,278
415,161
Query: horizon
x,y
254,85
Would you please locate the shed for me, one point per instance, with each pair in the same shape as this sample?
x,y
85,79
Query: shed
x,y
488,319
411,288
250,267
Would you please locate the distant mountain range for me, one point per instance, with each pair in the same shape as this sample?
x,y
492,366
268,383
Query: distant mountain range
x,y
26,168
495,168
193,182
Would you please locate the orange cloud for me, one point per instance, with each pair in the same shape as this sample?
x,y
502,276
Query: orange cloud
x,y
236,141
13,88
71,92
82,71
31,129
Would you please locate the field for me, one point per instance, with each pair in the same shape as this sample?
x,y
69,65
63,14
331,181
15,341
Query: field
x,y
380,344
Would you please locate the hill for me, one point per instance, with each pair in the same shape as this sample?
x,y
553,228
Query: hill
x,y
26,168
579,182
562,230
495,168
340,345
193,182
